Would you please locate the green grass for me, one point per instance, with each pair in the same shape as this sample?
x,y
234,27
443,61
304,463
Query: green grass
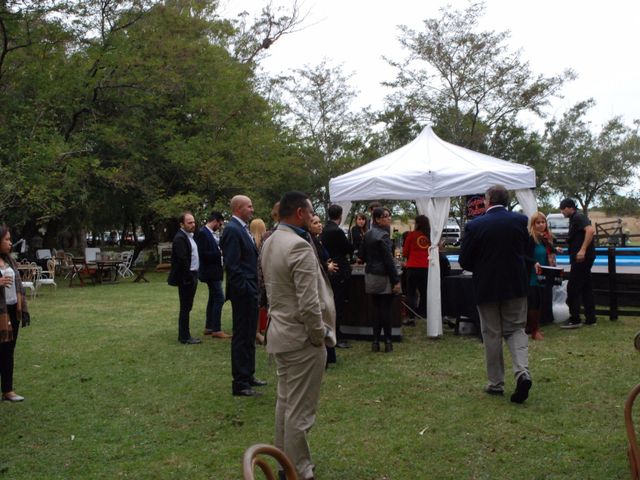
x,y
112,394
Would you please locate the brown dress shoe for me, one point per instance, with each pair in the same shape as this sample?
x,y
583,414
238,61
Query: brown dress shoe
x,y
220,335
12,397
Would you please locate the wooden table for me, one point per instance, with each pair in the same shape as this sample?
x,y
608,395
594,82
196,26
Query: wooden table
x,y
107,271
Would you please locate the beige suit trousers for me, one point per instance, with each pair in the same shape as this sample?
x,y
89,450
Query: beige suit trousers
x,y
299,379
505,319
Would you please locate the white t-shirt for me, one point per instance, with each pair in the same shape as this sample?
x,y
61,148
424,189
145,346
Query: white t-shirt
x,y
10,296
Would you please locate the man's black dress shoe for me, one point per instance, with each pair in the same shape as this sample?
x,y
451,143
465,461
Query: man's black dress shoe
x,y
257,383
522,388
247,392
191,341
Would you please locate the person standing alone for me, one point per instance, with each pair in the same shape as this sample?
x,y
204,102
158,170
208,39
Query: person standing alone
x,y
494,249
184,274
582,254
211,273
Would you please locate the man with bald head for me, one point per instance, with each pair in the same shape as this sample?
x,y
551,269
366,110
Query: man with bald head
x,y
241,262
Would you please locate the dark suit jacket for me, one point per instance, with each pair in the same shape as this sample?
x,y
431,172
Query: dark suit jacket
x,y
180,260
338,247
494,249
210,256
240,260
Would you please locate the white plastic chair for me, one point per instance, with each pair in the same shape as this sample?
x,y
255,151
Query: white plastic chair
x,y
124,269
91,254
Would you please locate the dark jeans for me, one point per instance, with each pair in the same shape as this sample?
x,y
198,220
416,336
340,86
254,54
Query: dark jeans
x,y
214,306
186,294
6,352
243,342
340,286
382,316
417,284
580,287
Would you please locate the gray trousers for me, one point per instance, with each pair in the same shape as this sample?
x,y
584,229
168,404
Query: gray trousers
x,y
505,319
299,379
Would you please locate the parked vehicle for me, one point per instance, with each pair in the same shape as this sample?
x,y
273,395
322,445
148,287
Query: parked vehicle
x,y
451,232
559,227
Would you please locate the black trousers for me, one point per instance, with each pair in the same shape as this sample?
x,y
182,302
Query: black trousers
x,y
580,288
382,316
417,284
243,342
186,293
6,352
340,287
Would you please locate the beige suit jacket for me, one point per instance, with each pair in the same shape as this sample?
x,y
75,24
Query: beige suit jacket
x,y
299,294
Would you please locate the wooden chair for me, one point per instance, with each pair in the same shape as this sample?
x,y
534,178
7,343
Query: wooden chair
x,y
252,459
633,452
29,276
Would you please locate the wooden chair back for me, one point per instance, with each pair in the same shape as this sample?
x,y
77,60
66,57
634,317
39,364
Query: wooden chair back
x,y
633,452
252,459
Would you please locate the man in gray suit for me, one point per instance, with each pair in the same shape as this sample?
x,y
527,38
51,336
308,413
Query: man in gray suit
x,y
302,322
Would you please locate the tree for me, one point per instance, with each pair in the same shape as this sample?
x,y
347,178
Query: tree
x,y
466,82
316,102
621,205
588,166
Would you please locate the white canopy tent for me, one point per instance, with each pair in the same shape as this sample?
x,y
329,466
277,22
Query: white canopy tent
x,y
430,171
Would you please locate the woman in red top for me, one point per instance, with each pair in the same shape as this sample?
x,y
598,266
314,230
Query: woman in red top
x,y
416,252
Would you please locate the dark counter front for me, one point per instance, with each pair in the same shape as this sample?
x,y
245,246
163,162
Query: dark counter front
x,y
357,323
459,301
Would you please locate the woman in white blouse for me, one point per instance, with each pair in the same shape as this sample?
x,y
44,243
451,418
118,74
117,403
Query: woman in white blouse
x,y
13,313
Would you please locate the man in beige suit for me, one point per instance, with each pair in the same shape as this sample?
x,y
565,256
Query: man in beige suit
x,y
302,322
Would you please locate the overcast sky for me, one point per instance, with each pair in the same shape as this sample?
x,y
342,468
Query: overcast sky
x,y
598,40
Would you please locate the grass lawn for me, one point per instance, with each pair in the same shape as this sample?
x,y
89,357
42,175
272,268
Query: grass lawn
x,y
112,394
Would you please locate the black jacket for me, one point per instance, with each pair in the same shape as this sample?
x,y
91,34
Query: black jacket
x,y
376,250
180,260
210,256
338,246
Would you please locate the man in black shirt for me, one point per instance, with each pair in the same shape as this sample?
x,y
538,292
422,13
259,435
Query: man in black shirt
x,y
582,254
339,249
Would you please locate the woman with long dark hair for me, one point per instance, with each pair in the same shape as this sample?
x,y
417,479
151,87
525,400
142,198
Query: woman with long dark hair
x,y
13,312
416,252
358,231
381,276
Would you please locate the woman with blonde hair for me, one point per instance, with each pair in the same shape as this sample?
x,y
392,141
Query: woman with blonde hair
x,y
541,253
257,228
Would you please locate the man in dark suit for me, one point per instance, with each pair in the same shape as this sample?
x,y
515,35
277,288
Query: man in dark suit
x,y
493,248
241,263
184,273
211,273
339,249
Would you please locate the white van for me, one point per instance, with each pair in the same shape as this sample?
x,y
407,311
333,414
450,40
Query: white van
x,y
451,232
559,227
